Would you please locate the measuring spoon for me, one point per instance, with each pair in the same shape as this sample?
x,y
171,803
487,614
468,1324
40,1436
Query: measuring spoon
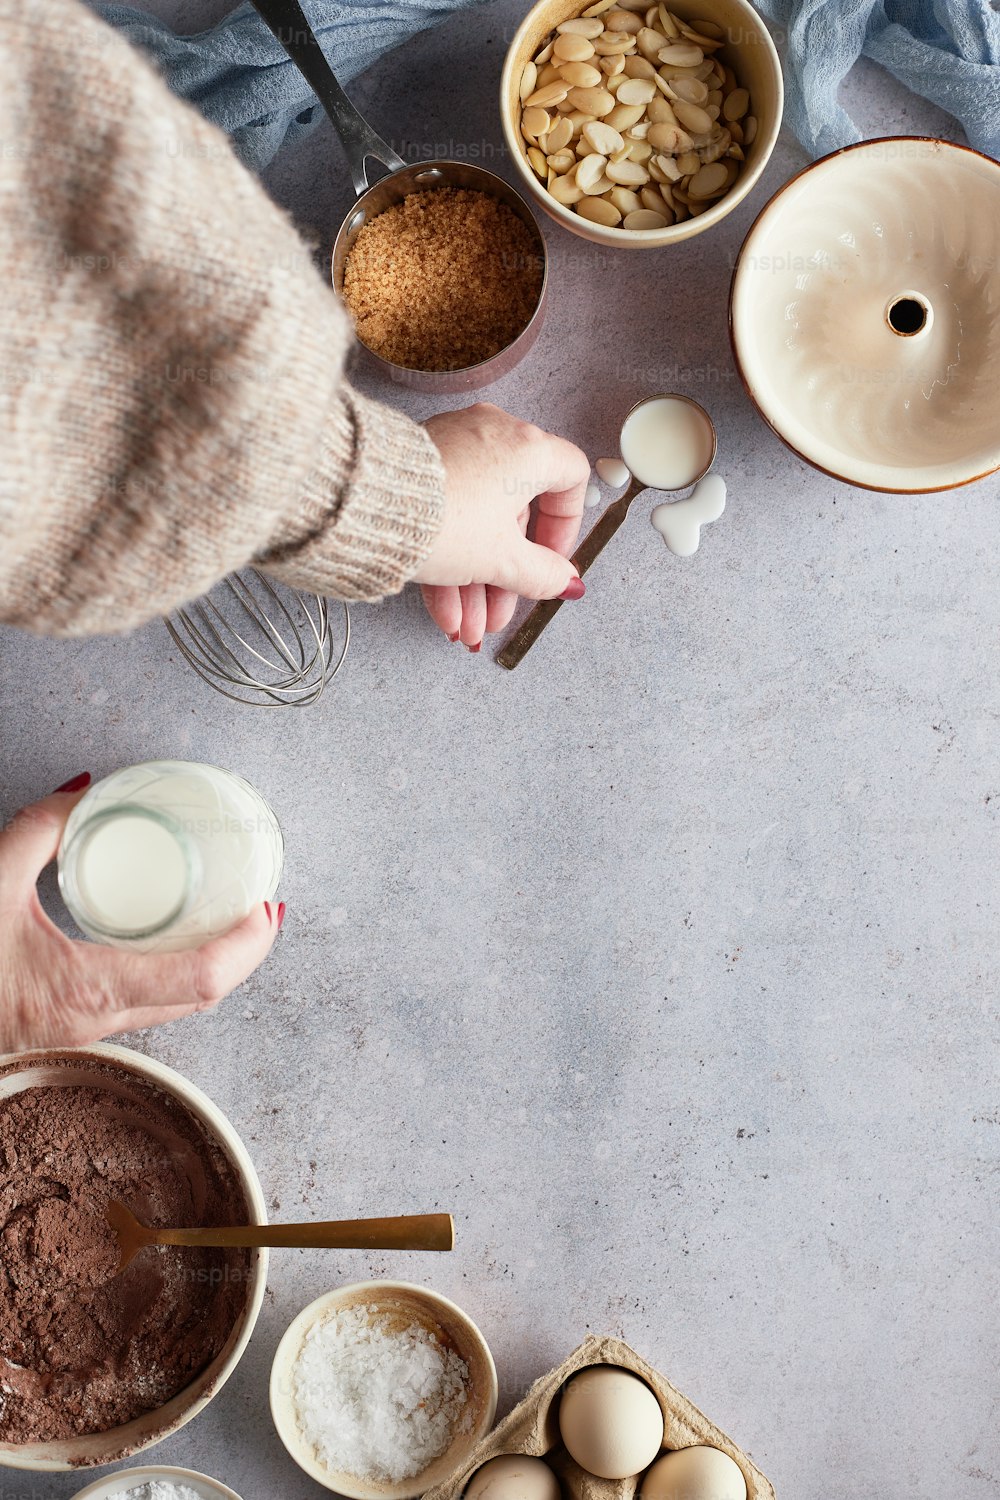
x,y
653,467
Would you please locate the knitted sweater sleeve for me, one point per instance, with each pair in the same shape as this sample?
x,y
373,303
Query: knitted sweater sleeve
x,y
172,394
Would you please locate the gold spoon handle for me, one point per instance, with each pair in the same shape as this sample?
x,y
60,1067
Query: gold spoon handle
x,y
589,550
410,1232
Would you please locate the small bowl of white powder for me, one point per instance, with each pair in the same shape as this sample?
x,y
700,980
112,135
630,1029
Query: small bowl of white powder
x,y
156,1484
382,1389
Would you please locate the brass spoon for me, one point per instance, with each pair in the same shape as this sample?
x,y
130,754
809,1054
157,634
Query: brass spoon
x,y
597,539
410,1232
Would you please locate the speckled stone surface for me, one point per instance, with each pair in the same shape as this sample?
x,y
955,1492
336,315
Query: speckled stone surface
x,y
668,962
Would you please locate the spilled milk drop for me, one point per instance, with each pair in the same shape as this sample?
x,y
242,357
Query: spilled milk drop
x,y
679,522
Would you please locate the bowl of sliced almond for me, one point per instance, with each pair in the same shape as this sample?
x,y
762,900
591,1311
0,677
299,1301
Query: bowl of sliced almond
x,y
635,125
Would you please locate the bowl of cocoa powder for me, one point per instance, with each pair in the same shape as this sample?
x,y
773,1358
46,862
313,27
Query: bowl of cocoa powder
x,y
96,1365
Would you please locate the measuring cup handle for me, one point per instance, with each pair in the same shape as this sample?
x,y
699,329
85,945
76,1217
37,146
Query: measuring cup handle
x,y
287,20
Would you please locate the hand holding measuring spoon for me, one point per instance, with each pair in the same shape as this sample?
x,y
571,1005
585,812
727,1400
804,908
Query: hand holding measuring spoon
x,y
667,442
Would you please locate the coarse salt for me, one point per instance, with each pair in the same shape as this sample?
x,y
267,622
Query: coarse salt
x,y
378,1401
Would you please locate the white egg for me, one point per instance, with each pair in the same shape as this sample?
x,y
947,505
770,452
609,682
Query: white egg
x,y
610,1422
513,1476
695,1474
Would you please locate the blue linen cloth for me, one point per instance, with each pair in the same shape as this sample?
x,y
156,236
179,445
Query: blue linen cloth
x,y
242,79
947,51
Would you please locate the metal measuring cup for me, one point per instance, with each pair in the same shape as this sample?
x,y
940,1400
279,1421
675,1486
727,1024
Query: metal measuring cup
x,y
361,145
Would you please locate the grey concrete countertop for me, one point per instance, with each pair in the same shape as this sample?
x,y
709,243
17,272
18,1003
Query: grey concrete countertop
x,y
668,962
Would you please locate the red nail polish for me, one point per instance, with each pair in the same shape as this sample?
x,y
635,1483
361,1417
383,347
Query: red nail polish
x,y
453,638
575,589
281,914
476,648
75,783
270,913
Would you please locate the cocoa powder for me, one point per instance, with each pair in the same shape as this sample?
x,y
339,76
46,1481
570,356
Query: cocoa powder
x,y
81,1348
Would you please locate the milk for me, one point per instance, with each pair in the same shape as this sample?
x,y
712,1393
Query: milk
x,y
167,855
668,442
133,873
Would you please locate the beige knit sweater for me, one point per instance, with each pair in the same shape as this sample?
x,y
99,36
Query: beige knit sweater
x,y
172,398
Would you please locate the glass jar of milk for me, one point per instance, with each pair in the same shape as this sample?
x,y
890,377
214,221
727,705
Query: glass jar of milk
x,y
168,854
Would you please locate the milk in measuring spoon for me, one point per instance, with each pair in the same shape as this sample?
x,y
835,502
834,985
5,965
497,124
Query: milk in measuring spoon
x,y
667,442
168,854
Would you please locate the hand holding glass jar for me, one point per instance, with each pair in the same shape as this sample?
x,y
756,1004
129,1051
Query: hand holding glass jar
x,y
58,992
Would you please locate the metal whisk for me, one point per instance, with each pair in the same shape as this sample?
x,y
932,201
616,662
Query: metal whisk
x,y
257,642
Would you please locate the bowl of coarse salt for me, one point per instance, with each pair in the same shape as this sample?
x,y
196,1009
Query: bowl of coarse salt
x,y
380,1390
156,1484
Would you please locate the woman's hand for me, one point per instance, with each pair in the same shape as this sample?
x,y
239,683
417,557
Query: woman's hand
x,y
496,467
57,992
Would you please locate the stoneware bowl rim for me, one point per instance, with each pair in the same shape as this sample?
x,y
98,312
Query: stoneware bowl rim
x,y
114,1485
105,1447
770,418
282,1407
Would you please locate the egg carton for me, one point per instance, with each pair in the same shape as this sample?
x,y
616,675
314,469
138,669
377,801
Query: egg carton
x,y
533,1428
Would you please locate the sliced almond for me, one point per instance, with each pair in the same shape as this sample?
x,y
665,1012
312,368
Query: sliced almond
x,y
582,26
688,163
538,163
715,148
602,138
708,182
612,66
625,200
681,54
693,117
622,20
569,47
650,43
599,211
644,218
529,76
639,131
610,42
736,104
669,169
535,122
623,116
628,173
639,151
581,75
691,90
639,67
544,98
561,162
597,102
660,111
636,91
589,170
544,55
559,135
600,7
649,197
668,25
565,191
548,73
749,130
735,152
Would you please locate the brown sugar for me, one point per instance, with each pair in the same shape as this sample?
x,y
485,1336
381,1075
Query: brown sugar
x,y
443,280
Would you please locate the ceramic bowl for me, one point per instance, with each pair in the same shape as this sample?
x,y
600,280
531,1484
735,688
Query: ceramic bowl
x,y
411,1304
56,1067
862,309
754,60
112,1486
